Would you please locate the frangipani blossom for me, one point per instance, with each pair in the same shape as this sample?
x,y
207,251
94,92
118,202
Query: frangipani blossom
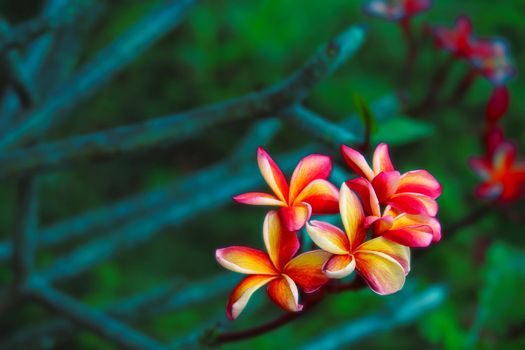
x,y
382,263
278,268
308,193
414,192
503,176
498,104
395,10
459,40
494,61
405,229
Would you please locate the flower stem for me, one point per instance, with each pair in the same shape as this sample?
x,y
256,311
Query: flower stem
x,y
462,88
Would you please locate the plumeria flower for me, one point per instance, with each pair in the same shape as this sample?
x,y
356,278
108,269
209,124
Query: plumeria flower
x,y
405,229
278,268
458,40
498,104
382,263
503,176
395,10
413,192
308,193
494,61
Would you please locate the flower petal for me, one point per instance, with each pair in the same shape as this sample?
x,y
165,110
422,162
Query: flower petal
x,y
352,216
385,184
411,236
383,274
328,237
379,224
420,181
481,167
396,251
284,293
322,196
368,196
381,159
339,266
307,270
504,157
272,175
310,168
414,203
357,162
294,218
281,244
258,198
245,260
242,293
407,220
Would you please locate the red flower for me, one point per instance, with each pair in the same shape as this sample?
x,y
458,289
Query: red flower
x,y
309,191
493,60
458,40
414,192
503,176
396,10
278,268
498,104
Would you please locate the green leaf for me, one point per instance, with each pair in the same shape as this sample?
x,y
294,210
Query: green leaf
x,y
365,114
402,130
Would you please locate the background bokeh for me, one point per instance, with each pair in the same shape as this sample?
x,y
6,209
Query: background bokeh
x,y
225,48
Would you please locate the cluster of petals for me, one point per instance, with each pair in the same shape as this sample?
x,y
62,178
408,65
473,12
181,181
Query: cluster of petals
x,y
396,10
383,261
308,192
502,174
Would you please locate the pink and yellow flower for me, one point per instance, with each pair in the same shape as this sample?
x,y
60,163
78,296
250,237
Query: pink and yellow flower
x,y
396,10
405,229
502,174
414,192
382,263
308,193
278,268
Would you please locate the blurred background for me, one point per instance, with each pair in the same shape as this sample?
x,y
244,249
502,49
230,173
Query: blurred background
x,y
158,238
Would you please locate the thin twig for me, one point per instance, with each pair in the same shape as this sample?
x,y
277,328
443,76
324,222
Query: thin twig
x,y
463,87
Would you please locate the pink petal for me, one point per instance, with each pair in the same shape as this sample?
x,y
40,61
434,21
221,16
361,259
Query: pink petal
x,y
357,162
420,181
411,236
352,216
258,198
386,184
480,166
272,175
381,159
379,224
328,237
242,293
414,203
310,168
322,196
339,266
283,292
307,270
406,220
498,104
245,260
367,194
281,244
294,218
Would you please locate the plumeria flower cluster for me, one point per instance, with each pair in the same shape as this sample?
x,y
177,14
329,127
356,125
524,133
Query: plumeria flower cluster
x,y
396,10
383,213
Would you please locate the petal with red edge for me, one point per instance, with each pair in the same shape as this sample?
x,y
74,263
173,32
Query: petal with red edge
x,y
258,198
396,251
357,162
310,168
407,220
245,260
381,159
414,203
294,218
411,236
242,293
272,175
328,237
420,181
383,274
385,184
488,190
339,266
280,243
366,192
284,293
504,156
307,270
352,216
322,196
481,167
379,224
